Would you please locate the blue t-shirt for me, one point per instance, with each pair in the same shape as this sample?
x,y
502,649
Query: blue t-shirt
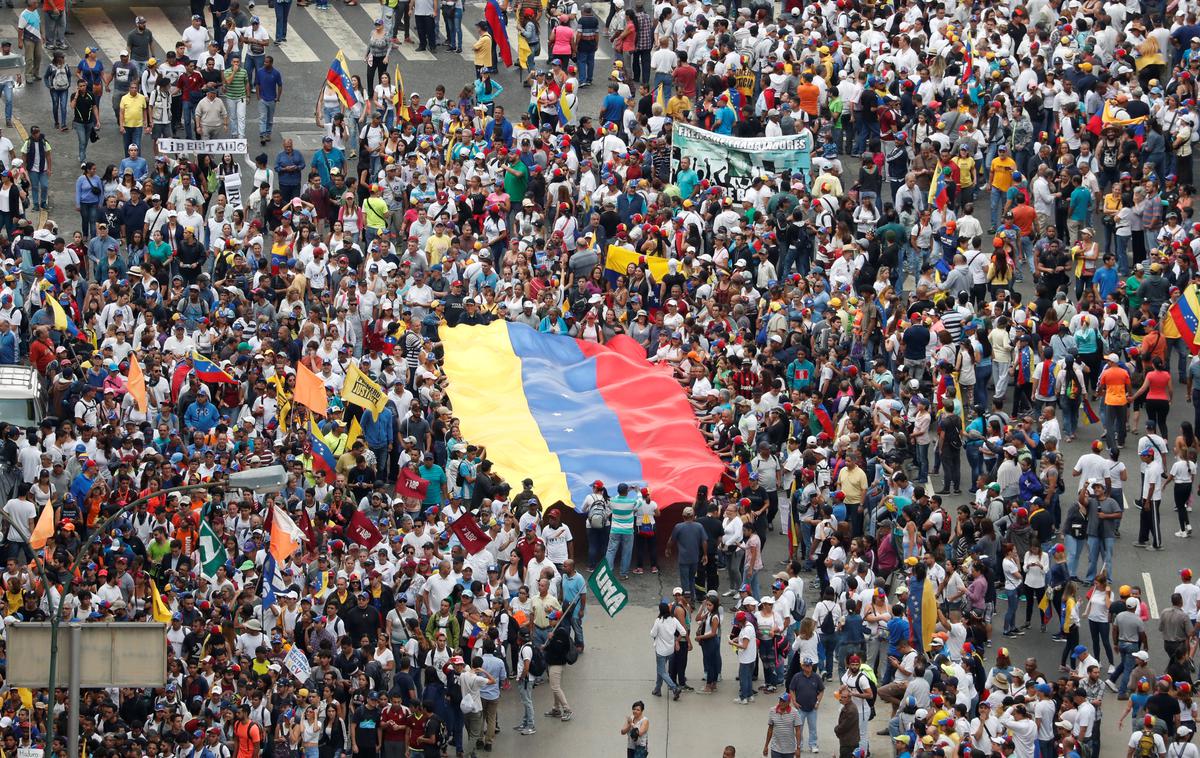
x,y
1106,279
723,120
898,629
612,109
269,81
1081,204
686,181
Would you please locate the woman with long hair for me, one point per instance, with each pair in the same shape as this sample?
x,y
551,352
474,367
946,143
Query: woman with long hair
x,y
1070,625
1156,388
1099,598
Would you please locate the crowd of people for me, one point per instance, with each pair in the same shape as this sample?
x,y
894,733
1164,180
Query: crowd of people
x,y
847,333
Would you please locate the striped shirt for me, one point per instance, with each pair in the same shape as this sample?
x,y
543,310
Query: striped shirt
x,y
236,83
622,514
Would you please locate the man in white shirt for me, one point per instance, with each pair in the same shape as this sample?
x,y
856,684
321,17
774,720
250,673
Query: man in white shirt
x,y
20,510
196,37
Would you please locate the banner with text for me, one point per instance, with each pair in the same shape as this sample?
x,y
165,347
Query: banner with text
x,y
733,162
172,145
608,591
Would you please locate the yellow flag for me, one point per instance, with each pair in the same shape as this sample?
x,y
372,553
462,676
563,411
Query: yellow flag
x,y
43,529
355,433
363,391
158,608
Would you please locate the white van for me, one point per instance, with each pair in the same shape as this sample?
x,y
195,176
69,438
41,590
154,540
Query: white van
x,y
20,396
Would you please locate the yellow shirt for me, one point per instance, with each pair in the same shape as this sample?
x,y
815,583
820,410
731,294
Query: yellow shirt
x,y
678,106
1002,171
436,247
133,109
966,170
853,484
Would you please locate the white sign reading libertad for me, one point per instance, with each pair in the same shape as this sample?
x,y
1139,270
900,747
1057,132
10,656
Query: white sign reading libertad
x,y
172,145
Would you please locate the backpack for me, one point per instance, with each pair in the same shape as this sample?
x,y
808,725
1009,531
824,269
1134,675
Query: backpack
x,y
1145,747
537,661
597,517
61,80
827,626
572,655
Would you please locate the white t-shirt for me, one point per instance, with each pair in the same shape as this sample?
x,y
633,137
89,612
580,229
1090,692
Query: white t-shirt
x,y
558,540
20,511
663,633
1153,479
748,654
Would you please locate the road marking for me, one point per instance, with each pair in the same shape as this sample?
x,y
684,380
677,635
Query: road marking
x,y
102,30
372,12
22,132
294,49
342,34
166,34
468,45
1148,594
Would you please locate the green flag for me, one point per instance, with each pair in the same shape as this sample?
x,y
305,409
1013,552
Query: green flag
x,y
608,591
212,552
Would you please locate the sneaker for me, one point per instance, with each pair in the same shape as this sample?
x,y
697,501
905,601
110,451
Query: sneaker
x,y
674,695
1109,684
1111,668
728,593
740,701
1158,549
1181,534
553,713
637,571
1141,544
529,731
815,750
654,569
568,715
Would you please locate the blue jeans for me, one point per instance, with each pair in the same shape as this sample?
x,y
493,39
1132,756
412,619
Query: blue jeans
x,y
663,80
452,19
58,106
922,456
662,674
997,205
39,193
1121,250
1074,548
808,720
253,63
974,460
1010,615
83,134
1120,675
586,62
283,8
1070,414
745,680
524,686
266,117
131,135
1095,546
597,545
710,650
619,544
577,627
687,578
6,91
751,578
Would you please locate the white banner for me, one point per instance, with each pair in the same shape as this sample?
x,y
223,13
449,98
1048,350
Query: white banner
x,y
734,162
297,663
233,189
172,145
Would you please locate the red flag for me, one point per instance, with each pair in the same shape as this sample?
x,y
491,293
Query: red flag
x,y
305,524
177,377
470,533
410,485
362,531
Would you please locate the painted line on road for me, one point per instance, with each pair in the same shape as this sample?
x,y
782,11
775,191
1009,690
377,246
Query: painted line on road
x,y
294,49
372,12
343,35
1148,594
166,34
102,30
22,132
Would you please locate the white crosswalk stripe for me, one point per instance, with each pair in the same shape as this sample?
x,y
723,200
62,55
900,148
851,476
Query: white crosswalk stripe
x,y
166,34
352,44
368,12
314,36
295,49
102,30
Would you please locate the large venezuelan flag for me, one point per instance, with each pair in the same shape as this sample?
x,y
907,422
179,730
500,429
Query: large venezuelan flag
x,y
1185,312
566,412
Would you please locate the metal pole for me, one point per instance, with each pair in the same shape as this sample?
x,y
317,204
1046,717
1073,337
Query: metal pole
x,y
73,692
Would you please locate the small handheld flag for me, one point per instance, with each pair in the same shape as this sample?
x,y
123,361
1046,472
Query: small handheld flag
x,y
208,371
322,456
338,77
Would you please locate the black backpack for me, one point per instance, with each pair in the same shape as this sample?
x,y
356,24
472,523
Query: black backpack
x,y
827,625
537,661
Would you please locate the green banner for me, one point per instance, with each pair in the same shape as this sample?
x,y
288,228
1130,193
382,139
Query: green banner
x,y
608,591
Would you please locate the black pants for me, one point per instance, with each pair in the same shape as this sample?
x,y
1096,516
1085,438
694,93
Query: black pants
x,y
375,68
1150,526
426,33
641,66
402,21
1072,640
1022,398
1183,492
1156,411
677,668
